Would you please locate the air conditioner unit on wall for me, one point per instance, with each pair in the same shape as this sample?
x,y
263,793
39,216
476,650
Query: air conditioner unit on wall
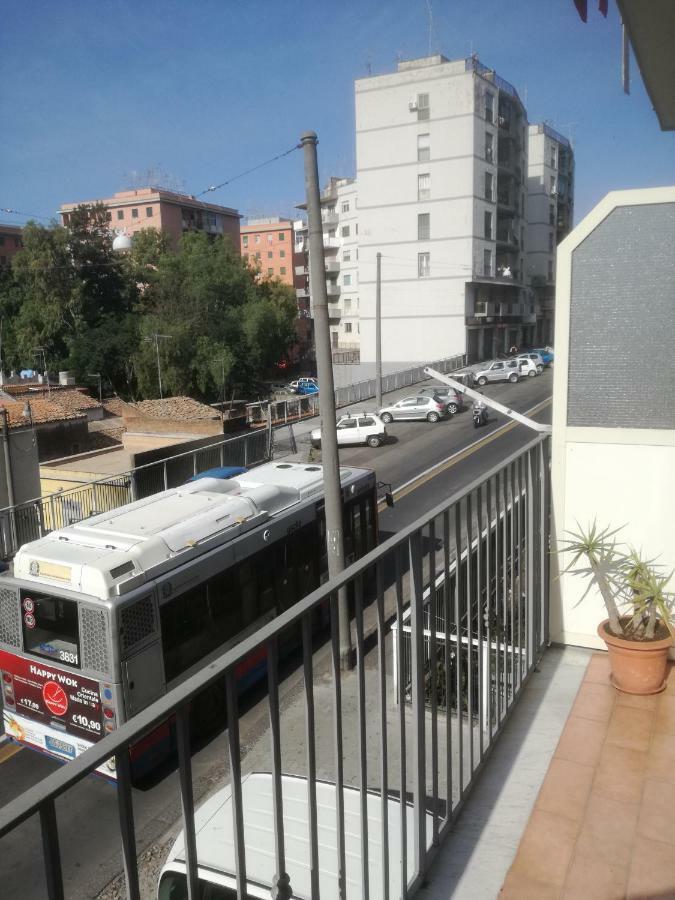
x,y
412,104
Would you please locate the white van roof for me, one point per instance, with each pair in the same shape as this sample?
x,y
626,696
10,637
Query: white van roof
x,y
215,844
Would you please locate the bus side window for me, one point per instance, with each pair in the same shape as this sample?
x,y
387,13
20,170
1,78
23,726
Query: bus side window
x,y
263,567
225,605
248,593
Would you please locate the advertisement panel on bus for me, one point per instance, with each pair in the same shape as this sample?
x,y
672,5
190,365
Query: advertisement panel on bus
x,y
57,712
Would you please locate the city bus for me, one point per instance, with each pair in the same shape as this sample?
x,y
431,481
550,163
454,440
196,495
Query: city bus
x,y
101,618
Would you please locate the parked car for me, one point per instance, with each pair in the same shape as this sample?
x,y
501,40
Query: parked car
x,y
356,428
536,358
453,400
546,354
528,366
418,407
215,842
499,370
304,386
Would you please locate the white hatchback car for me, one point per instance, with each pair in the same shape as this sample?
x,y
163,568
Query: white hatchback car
x,y
356,428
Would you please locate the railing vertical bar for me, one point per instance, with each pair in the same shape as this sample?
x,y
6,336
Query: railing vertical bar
x,y
468,524
382,683
530,562
337,736
489,618
512,550
499,587
447,667
166,476
187,799
505,596
418,700
50,850
235,782
545,537
522,656
482,686
125,810
363,735
433,680
403,775
308,671
459,697
275,735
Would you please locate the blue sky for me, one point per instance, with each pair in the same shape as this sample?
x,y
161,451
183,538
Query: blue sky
x,y
93,92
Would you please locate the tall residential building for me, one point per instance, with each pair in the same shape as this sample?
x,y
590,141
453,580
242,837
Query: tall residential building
x,y
441,149
10,242
172,213
550,199
340,241
267,244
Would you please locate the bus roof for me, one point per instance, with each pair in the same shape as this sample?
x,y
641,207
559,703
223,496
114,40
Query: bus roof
x,y
109,553
215,843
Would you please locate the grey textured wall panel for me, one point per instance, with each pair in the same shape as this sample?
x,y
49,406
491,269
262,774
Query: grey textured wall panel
x,y
622,321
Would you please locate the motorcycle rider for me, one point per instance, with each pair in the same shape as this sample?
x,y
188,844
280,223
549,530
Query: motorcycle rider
x,y
480,413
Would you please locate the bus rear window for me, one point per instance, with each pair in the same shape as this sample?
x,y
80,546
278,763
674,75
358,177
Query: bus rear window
x,y
50,627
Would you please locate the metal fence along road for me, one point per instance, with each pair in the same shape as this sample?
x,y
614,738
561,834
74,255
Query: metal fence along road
x,y
34,518
418,744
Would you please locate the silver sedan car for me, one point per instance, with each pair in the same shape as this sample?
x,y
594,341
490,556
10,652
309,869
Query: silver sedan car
x,y
418,407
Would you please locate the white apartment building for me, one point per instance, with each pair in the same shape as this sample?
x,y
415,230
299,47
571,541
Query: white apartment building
x,y
550,198
441,149
340,242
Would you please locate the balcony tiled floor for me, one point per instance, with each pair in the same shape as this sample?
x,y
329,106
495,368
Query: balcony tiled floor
x,y
603,824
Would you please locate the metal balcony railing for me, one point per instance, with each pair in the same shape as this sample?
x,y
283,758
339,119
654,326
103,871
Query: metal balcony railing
x,y
467,584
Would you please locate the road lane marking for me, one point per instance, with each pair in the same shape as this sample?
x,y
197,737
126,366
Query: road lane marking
x,y
9,750
459,456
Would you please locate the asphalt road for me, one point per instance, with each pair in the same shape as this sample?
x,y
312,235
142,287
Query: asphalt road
x,y
425,463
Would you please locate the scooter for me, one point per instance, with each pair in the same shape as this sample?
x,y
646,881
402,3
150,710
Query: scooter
x,y
480,414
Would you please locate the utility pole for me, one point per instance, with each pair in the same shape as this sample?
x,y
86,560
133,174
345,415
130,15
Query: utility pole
x,y
98,376
41,350
324,365
378,334
156,337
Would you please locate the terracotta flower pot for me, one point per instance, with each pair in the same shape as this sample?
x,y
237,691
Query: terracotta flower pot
x,y
638,667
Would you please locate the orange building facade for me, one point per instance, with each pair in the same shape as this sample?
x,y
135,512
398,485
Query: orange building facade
x,y
10,242
267,244
174,214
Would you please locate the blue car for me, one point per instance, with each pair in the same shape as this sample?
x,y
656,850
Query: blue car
x,y
546,355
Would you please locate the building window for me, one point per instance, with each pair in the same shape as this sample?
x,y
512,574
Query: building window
x,y
553,156
551,215
270,255
348,327
423,187
66,220
108,216
489,186
423,227
489,107
120,213
257,238
344,231
487,262
282,235
148,212
550,242
244,240
347,280
488,225
257,254
356,228
552,184
346,255
134,213
423,148
270,238
489,147
282,270
550,270
282,254
270,271
480,308
345,207
423,108
423,265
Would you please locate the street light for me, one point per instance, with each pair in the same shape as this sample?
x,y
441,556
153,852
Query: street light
x,y
97,375
36,352
155,338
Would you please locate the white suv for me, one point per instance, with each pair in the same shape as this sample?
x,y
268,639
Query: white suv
x,y
356,428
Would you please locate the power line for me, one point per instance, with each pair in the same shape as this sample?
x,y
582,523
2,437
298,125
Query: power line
x,y
216,187
16,212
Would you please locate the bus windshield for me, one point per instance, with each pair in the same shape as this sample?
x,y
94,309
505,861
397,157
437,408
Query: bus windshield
x,y
50,627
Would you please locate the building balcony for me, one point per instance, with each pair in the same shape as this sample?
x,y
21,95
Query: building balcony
x,y
507,238
332,289
302,293
330,243
301,270
329,219
332,266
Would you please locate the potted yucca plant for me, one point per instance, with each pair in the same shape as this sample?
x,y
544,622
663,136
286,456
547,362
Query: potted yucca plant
x,y
637,630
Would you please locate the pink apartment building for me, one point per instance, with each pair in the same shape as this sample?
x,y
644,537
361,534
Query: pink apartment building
x,y
172,213
10,242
